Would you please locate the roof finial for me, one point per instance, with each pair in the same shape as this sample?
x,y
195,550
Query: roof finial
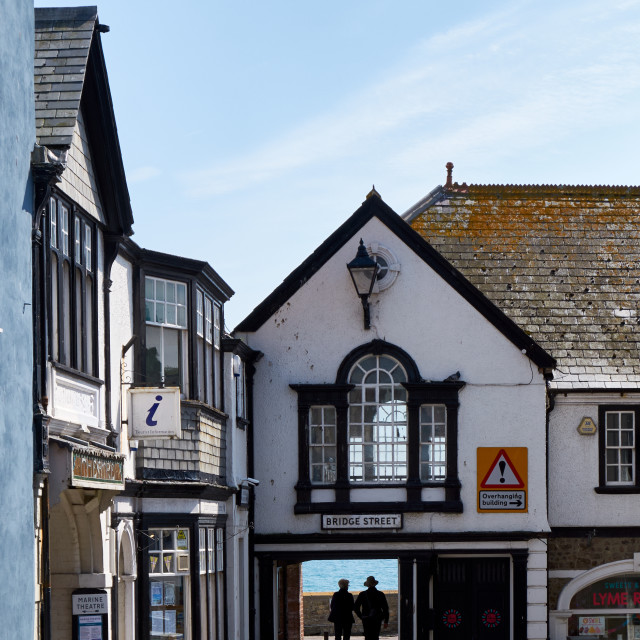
x,y
449,182
373,192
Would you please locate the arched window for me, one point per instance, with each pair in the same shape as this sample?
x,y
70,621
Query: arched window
x,y
377,420
380,426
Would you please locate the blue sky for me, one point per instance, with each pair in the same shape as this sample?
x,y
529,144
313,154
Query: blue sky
x,y
251,130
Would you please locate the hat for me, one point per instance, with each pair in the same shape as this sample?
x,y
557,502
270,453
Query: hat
x,y
343,583
370,582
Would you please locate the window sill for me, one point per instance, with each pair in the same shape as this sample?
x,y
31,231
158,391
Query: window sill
x,y
76,373
441,506
622,489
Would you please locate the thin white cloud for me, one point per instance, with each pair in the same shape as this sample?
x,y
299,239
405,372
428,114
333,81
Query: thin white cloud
x,y
515,79
142,174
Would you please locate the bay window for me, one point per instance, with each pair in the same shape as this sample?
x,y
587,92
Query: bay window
x,y
72,290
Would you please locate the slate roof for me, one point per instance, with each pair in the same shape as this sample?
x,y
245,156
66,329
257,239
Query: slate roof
x,y
562,261
70,72
372,207
63,39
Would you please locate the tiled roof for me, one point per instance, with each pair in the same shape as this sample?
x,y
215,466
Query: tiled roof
x,y
63,38
562,261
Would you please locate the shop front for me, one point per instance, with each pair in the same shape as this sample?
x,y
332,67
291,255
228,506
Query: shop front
x,y
182,592
602,603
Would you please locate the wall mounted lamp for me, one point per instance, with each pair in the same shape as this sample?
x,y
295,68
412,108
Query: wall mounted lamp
x,y
363,269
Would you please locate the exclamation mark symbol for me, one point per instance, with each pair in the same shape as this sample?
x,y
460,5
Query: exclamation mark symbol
x,y
503,465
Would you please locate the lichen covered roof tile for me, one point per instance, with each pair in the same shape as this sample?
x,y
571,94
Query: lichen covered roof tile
x,y
563,262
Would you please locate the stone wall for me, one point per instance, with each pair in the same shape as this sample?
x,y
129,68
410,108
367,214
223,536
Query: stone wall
x,y
581,553
316,612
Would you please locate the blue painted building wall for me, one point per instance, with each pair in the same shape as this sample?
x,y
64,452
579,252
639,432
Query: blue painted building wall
x,y
17,137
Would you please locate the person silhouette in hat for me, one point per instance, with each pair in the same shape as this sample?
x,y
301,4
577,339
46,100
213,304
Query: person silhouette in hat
x,y
372,608
341,611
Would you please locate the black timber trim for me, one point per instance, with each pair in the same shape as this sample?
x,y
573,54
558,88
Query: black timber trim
x,y
335,395
595,532
176,475
520,558
378,348
168,489
442,506
101,128
375,207
405,588
603,487
387,539
265,582
167,263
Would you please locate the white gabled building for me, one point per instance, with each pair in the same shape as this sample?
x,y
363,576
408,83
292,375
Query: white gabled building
x,y
421,438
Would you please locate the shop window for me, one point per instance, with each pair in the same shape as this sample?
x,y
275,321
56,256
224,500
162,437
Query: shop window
x,y
607,608
72,291
618,435
169,586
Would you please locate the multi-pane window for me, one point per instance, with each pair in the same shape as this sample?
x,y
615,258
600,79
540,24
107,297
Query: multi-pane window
x,y
208,345
620,447
377,420
211,553
433,442
322,445
166,332
169,584
72,295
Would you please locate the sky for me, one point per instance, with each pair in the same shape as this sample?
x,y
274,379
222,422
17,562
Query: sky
x,y
251,129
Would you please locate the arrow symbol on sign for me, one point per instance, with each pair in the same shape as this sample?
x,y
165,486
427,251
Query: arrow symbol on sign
x,y
517,502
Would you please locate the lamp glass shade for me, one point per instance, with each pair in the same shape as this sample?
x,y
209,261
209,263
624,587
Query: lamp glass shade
x,y
363,269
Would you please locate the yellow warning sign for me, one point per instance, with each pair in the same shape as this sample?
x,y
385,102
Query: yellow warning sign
x,y
502,479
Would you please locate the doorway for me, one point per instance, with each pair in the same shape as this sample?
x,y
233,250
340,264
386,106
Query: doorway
x,y
471,599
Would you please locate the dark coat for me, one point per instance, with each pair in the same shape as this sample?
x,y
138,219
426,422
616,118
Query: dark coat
x,y
372,604
341,607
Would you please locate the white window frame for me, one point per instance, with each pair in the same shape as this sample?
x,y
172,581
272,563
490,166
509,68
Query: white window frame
x,y
323,444
379,438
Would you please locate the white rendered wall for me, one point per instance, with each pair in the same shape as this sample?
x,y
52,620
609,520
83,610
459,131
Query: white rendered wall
x,y
307,339
121,331
574,467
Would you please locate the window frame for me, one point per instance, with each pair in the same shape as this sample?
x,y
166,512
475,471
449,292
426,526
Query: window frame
x,y
419,393
617,487
198,621
72,305
194,387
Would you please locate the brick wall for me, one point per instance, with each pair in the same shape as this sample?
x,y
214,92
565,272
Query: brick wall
x,y
201,448
295,619
316,612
